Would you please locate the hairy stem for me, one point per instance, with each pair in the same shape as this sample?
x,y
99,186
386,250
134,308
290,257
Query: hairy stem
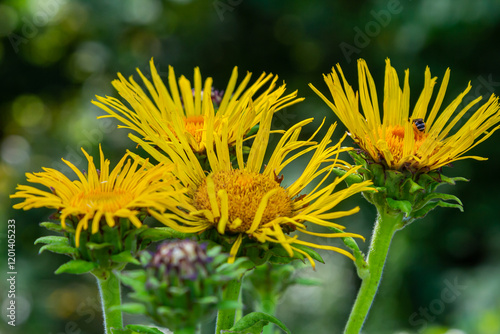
x,y
225,318
386,225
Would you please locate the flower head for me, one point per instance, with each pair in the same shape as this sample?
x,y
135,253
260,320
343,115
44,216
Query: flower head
x,y
181,258
100,197
421,140
181,283
184,110
247,202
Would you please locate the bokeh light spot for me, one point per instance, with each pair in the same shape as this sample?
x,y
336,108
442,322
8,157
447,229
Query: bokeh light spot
x,y
29,111
15,150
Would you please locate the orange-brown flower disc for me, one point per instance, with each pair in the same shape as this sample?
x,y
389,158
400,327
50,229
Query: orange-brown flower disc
x,y
194,126
245,191
104,200
394,137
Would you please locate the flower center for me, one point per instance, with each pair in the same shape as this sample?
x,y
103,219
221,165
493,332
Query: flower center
x,y
106,201
394,137
245,191
194,125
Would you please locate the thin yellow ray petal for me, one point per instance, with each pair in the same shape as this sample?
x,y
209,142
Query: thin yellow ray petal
x,y
260,210
224,207
234,249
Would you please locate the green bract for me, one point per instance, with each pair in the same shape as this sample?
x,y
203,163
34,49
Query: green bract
x,y
180,284
403,191
108,249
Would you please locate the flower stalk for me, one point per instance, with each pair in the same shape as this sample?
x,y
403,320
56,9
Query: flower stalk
x,y
109,291
386,225
268,305
226,317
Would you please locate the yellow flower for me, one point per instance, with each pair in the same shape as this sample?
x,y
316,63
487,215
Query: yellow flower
x,y
184,110
248,201
423,140
99,195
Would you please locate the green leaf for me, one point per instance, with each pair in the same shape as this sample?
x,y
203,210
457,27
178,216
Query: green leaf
x,y
132,308
76,267
124,256
162,233
401,206
54,227
59,249
51,239
95,246
144,329
254,323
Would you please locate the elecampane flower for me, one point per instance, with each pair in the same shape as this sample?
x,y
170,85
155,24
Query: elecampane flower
x,y
248,201
422,140
184,109
100,195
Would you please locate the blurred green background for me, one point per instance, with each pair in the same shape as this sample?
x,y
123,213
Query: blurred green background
x,y
55,55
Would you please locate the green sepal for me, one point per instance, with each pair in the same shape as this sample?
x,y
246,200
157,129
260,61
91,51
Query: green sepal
x,y
412,186
445,197
124,256
144,329
401,206
51,239
357,157
132,308
452,180
254,323
56,227
409,191
280,255
361,265
162,233
351,179
311,252
59,249
432,205
96,246
253,130
76,267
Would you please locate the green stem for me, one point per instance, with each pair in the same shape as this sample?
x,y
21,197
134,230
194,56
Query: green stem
x,y
268,305
386,225
109,291
225,318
